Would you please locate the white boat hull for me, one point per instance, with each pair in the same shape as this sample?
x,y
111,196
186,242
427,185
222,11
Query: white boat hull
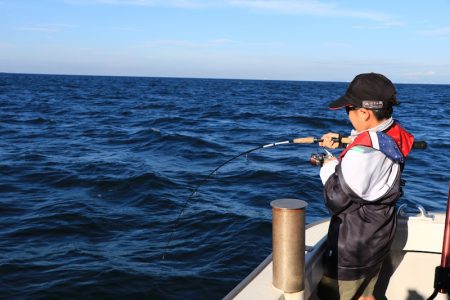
x,y
408,273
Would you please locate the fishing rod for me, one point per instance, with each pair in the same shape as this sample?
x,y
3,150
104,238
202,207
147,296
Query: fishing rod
x,y
343,141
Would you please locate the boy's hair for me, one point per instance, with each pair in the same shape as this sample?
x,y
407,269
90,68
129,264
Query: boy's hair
x,y
382,114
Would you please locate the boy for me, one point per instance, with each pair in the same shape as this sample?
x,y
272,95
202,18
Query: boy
x,y
361,188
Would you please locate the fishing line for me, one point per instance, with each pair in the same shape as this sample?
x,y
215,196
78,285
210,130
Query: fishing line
x,y
306,140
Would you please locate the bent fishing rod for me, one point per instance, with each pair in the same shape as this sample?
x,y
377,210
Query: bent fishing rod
x,y
342,142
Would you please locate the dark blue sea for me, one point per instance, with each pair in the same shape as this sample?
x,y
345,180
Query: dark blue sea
x,y
95,171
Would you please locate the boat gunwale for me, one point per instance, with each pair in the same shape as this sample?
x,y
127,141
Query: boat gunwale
x,y
238,288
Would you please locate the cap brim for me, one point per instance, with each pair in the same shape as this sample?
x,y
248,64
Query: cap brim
x,y
339,103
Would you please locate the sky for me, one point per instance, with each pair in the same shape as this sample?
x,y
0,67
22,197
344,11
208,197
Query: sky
x,y
314,40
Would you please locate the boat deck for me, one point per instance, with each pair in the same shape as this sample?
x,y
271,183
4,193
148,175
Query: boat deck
x,y
407,274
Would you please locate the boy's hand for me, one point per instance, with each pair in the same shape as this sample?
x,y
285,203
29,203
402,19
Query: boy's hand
x,y
328,140
328,159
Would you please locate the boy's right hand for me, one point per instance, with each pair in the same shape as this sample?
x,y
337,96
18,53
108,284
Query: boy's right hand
x,y
328,140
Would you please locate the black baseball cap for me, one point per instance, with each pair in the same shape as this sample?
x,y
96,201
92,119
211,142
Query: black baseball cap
x,y
368,90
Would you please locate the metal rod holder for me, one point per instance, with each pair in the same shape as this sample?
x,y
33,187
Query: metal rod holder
x,y
288,244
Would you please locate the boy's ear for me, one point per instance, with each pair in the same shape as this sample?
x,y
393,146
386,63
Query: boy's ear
x,y
366,114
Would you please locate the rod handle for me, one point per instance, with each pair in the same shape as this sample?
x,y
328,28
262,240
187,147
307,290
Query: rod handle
x,y
305,140
310,140
420,145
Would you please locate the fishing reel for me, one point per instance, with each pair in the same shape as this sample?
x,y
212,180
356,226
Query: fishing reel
x,y
317,159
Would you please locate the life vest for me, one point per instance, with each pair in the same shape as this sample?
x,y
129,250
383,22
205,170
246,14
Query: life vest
x,y
395,142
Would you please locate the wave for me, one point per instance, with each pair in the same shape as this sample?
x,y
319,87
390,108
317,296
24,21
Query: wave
x,y
96,170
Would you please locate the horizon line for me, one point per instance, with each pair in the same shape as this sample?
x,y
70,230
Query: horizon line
x,y
202,78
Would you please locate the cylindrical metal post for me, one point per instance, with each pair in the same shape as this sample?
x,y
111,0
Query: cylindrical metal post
x,y
288,244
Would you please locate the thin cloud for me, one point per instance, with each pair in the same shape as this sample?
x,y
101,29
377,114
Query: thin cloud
x,y
338,45
187,43
438,31
165,3
381,25
420,74
309,7
293,7
45,28
128,29
38,29
172,43
219,42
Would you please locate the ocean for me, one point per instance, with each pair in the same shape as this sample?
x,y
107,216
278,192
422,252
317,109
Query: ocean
x,y
95,172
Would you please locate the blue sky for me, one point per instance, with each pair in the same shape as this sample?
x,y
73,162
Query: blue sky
x,y
408,41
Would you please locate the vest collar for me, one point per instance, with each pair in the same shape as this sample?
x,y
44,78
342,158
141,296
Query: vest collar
x,y
380,127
